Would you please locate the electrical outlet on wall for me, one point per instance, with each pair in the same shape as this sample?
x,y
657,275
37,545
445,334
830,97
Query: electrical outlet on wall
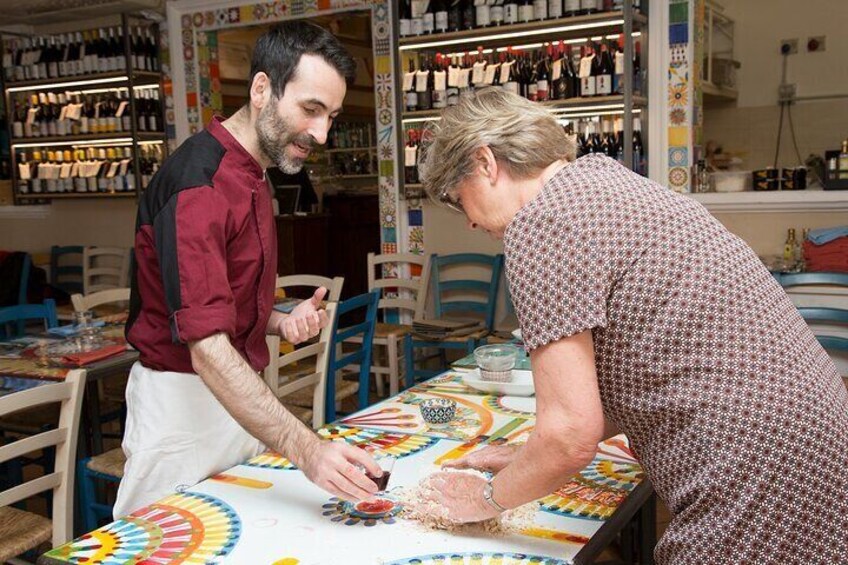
x,y
788,46
786,91
815,44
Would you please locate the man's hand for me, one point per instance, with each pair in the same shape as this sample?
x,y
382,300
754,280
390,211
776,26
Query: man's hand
x,y
306,319
491,458
459,497
333,467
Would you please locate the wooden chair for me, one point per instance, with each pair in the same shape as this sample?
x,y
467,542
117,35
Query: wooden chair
x,y
827,322
333,286
14,318
119,297
64,275
302,372
22,531
389,336
455,297
105,268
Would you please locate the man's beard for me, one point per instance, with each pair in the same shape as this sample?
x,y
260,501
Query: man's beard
x,y
275,135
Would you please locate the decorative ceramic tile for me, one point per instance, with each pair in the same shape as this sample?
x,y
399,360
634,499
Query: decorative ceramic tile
x,y
678,156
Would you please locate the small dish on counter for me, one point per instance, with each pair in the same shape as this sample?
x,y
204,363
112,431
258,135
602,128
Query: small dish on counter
x,y
521,384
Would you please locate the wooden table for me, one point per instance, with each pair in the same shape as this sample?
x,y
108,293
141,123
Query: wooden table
x,y
265,511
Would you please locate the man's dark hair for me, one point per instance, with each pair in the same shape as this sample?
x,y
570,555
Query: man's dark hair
x,y
278,51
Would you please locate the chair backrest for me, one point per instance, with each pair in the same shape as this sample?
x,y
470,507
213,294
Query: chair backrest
x,y
361,354
479,296
26,268
82,303
822,315
13,318
419,265
318,352
66,275
333,286
63,438
104,268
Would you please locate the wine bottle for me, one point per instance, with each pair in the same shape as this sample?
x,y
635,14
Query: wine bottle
x,y
587,77
482,13
468,14
618,64
418,9
509,74
424,86
454,75
411,94
440,9
588,7
405,18
639,164
540,9
455,15
543,77
410,158
496,12
429,18
440,84
525,11
511,12
603,69
554,9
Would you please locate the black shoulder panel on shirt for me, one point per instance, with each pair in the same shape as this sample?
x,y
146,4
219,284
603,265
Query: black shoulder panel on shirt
x,y
193,164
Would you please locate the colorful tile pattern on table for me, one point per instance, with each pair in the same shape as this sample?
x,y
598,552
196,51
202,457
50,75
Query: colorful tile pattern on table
x,y
204,95
256,514
187,527
475,417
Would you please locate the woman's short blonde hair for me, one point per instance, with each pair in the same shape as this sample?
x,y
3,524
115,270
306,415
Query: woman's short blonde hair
x,y
522,135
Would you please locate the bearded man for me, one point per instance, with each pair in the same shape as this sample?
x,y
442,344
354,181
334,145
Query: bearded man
x,y
203,287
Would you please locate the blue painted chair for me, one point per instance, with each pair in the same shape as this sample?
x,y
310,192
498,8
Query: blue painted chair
x,y
21,297
477,298
64,276
364,310
832,316
13,318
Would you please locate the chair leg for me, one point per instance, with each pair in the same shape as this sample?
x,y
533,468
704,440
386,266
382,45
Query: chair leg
x,y
392,347
378,377
87,496
409,360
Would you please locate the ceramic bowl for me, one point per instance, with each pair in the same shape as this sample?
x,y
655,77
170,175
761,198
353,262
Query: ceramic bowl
x,y
438,411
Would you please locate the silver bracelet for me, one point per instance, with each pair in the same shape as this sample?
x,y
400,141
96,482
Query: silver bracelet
x,y
488,496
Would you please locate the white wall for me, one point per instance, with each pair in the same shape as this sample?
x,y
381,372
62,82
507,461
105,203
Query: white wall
x,y
762,24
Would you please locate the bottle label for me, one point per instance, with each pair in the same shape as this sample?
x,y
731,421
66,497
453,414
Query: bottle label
x,y
478,73
411,100
497,14
483,16
405,28
464,78
554,8
440,98
417,26
440,80
603,85
419,7
540,9
491,72
556,69
585,66
410,156
588,5
532,91
511,13
542,90
511,86
587,86
421,81
429,23
525,13
453,96
454,74
408,81
441,21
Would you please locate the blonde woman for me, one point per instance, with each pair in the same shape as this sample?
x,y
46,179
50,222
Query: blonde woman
x,y
644,315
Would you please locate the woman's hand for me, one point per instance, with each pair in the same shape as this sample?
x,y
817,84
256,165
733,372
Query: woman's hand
x,y
458,497
491,458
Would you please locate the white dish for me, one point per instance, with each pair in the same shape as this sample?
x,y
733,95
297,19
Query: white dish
x,y
517,334
521,385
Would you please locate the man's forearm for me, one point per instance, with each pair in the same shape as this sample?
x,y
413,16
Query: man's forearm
x,y
248,400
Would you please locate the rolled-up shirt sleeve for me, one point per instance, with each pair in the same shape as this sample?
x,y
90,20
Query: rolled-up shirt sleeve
x,y
191,244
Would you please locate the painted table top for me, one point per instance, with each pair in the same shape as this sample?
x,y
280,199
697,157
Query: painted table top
x,y
266,512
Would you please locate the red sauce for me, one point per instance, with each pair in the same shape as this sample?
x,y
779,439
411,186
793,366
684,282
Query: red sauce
x,y
375,506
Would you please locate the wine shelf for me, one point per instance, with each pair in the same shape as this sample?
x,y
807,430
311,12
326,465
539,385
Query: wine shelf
x,y
561,28
774,201
89,137
72,195
118,78
595,103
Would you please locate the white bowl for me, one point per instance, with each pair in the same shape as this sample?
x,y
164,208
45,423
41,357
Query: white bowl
x,y
521,384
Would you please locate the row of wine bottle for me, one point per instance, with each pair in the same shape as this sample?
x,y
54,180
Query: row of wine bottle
x,y
421,17
556,72
95,169
50,114
80,53
598,135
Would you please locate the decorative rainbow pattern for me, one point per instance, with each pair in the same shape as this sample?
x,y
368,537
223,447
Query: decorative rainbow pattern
x,y
479,559
495,404
396,444
183,528
271,460
596,491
